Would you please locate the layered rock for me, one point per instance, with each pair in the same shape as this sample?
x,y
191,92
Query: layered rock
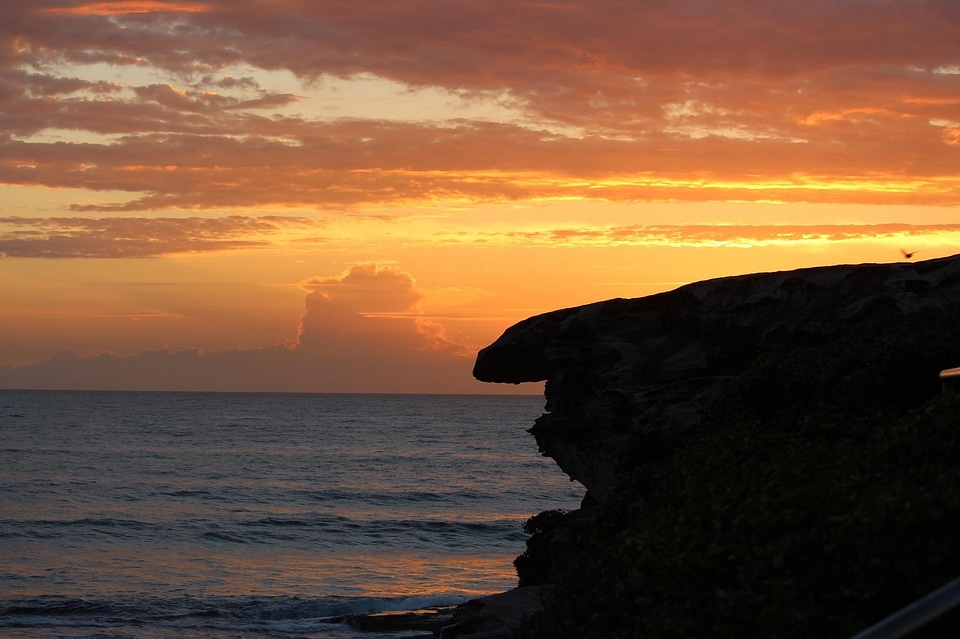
x,y
627,379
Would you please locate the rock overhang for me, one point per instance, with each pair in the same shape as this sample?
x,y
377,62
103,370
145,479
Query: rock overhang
x,y
627,376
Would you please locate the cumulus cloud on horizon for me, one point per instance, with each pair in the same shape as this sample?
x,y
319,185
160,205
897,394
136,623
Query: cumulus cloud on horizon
x,y
338,349
373,308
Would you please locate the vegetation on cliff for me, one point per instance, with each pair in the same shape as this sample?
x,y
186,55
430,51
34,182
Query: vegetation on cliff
x,y
823,496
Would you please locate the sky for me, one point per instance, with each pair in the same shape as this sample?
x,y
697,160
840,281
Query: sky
x,y
322,196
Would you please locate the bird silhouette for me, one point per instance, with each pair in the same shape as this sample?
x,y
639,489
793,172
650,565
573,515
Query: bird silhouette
x,y
908,255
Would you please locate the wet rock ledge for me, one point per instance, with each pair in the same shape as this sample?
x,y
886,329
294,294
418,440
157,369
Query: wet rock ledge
x,y
490,617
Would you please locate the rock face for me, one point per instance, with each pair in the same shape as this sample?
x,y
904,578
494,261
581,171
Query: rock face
x,y
629,378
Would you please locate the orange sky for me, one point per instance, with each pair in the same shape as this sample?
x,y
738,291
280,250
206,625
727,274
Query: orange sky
x,y
356,196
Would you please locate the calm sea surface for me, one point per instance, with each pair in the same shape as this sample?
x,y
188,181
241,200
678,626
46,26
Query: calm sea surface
x,y
187,515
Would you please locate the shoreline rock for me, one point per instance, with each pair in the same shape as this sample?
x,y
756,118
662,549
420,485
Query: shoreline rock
x,y
490,617
430,620
494,616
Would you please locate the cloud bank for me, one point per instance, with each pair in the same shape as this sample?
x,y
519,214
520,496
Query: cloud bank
x,y
690,100
128,237
713,235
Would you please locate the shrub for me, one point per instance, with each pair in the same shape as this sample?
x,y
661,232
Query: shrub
x,y
543,521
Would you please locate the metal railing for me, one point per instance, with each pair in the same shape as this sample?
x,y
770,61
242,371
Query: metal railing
x,y
933,606
907,620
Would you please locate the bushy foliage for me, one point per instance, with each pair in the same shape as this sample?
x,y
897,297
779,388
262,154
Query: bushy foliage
x,y
825,496
534,565
544,521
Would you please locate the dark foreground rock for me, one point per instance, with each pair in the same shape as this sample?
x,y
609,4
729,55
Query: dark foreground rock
x,y
628,379
490,617
428,620
631,380
495,616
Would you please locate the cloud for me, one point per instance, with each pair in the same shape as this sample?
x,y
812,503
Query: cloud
x,y
70,237
706,235
126,7
370,307
338,349
375,290
799,100
403,163
368,288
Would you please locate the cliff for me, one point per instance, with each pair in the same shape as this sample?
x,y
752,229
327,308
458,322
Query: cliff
x,y
631,382
629,379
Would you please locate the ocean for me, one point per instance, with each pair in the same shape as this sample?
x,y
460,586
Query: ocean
x,y
161,515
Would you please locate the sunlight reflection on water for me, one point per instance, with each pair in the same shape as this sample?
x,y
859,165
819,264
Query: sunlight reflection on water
x,y
143,498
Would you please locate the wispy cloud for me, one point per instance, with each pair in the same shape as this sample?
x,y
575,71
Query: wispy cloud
x,y
76,237
363,287
800,100
694,235
126,7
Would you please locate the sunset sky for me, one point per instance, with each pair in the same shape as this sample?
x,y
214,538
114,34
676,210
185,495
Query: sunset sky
x,y
357,195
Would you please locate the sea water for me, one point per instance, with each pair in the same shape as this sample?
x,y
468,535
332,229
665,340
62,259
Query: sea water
x,y
162,515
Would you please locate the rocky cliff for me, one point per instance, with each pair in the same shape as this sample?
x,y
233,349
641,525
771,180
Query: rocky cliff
x,y
628,379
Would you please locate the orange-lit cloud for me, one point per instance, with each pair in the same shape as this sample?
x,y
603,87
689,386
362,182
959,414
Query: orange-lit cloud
x,y
378,290
208,172
368,288
799,101
70,237
124,7
369,307
703,235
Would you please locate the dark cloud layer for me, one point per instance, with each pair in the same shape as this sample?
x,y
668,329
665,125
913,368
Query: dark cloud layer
x,y
798,100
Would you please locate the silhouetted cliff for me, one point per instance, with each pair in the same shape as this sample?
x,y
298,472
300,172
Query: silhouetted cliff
x,y
629,378
765,453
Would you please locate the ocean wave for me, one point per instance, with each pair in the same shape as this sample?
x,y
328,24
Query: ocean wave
x,y
234,614
411,497
303,529
53,528
190,493
330,608
219,535
117,496
53,607
324,530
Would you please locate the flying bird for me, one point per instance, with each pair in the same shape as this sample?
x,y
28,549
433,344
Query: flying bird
x,y
908,255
